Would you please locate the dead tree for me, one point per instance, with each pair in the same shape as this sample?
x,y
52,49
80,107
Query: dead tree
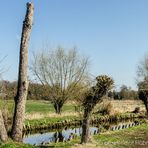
x,y
3,132
93,97
22,88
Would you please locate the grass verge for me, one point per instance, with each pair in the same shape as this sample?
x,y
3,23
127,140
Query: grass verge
x,y
134,137
11,144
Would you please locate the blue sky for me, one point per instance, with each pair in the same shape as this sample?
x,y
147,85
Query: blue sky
x,y
113,33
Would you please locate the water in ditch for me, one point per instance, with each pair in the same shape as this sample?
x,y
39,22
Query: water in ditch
x,y
67,133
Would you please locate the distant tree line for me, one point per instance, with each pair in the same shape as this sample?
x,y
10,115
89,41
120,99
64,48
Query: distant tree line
x,y
37,91
124,93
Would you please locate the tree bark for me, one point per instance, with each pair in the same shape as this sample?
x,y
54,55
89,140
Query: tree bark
x,y
85,126
3,132
22,88
146,104
58,107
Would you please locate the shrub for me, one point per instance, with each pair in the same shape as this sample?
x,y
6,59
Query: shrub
x,y
137,110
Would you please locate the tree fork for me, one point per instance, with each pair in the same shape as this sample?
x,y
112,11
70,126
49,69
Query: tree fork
x,y
22,88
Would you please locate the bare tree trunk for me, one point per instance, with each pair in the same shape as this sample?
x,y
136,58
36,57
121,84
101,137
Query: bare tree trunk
x,y
3,132
58,107
20,99
85,126
146,105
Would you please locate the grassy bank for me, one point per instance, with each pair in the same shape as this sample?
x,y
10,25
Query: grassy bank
x,y
134,137
12,144
40,114
62,121
56,122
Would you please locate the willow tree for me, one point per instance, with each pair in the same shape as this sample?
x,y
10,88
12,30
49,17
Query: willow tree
x,y
142,68
143,93
22,88
93,96
62,71
142,73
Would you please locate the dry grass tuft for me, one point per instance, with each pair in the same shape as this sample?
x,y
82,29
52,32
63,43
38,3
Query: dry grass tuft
x,y
120,106
105,107
127,105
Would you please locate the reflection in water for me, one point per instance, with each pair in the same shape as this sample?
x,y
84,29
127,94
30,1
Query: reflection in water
x,y
57,136
43,137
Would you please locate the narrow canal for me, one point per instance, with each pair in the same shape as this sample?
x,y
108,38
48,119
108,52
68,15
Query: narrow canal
x,y
43,137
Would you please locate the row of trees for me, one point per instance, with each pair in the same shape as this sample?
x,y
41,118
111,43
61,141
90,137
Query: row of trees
x,y
38,91
124,93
